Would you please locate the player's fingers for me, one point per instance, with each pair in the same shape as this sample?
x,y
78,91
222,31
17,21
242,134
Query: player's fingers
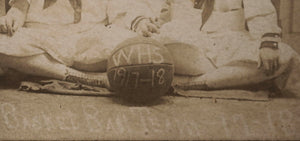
x,y
3,25
152,28
9,24
260,63
276,64
266,67
157,25
15,26
3,29
146,33
271,63
155,22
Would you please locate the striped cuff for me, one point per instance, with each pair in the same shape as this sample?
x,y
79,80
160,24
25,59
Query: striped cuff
x,y
276,37
269,44
136,21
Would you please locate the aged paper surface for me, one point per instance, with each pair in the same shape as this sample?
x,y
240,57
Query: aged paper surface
x,y
141,69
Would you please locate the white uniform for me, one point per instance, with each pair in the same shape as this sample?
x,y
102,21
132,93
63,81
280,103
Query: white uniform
x,y
103,24
224,39
224,33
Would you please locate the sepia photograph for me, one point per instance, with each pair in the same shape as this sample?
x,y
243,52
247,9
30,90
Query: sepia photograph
x,y
149,69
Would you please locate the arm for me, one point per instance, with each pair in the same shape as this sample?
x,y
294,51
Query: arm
x,y
261,19
165,13
147,16
15,17
21,5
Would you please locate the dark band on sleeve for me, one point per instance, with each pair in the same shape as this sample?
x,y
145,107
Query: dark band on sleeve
x,y
134,21
274,35
269,44
137,22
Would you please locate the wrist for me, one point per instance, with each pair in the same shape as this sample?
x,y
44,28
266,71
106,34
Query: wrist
x,y
17,14
269,44
276,37
136,22
22,5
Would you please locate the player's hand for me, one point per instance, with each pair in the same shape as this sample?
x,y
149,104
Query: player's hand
x,y
146,28
3,28
13,20
268,60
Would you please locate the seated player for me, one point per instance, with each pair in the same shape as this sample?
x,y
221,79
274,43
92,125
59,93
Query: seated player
x,y
228,44
68,39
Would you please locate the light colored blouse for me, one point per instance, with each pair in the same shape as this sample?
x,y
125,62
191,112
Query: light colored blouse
x,y
61,12
120,12
229,15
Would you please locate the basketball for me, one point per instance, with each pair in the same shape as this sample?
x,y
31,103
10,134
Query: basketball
x,y
140,69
